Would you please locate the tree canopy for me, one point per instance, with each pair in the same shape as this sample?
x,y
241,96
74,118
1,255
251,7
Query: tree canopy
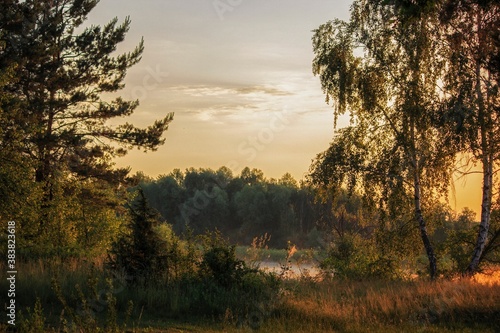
x,y
419,82
391,92
57,116
473,100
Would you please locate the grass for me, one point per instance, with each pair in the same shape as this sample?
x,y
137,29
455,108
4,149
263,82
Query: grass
x,y
249,254
308,305
348,306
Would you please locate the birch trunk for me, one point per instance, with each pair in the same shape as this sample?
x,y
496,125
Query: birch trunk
x,y
484,225
423,229
486,137
418,203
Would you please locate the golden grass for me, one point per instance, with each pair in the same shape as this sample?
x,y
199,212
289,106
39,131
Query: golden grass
x,y
460,305
488,277
347,305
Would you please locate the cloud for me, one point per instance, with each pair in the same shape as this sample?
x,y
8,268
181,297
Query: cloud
x,y
247,105
201,91
222,114
209,90
264,90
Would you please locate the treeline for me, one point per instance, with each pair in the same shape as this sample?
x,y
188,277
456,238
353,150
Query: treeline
x,y
241,207
353,234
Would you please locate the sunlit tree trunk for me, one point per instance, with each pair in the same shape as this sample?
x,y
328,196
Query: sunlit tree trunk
x,y
482,235
487,158
418,205
487,162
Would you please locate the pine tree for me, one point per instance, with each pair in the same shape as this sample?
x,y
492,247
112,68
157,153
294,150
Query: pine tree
x,y
59,75
140,252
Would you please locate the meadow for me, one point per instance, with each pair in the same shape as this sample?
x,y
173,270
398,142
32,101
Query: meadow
x,y
56,296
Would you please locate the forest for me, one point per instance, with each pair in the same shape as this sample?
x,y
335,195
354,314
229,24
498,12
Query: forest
x,y
90,247
249,206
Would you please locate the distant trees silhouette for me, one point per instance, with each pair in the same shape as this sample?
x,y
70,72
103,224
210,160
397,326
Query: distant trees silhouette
x,y
241,207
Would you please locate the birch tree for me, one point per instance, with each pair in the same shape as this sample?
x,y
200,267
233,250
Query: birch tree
x,y
473,114
383,68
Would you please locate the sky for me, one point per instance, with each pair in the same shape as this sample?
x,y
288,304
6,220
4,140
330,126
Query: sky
x,y
238,76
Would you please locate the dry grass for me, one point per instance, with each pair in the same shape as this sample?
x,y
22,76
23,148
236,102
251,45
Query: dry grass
x,y
381,305
460,305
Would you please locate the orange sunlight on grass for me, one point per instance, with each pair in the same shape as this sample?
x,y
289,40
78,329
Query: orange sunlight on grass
x,y
376,304
489,277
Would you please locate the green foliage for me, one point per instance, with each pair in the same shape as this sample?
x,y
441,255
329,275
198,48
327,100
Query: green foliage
x,y
353,257
229,284
455,238
95,310
457,246
220,266
253,208
34,322
56,169
83,221
212,282
492,248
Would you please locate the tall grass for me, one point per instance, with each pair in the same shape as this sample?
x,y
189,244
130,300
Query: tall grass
x,y
253,254
330,305
34,280
379,305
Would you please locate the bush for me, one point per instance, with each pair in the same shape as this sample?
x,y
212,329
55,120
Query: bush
x,y
353,256
228,287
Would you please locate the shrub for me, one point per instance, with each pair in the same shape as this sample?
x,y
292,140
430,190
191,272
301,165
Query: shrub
x,y
353,256
34,321
227,285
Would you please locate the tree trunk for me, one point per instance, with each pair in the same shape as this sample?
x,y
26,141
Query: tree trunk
x,y
418,204
486,158
485,217
45,167
423,229
42,176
